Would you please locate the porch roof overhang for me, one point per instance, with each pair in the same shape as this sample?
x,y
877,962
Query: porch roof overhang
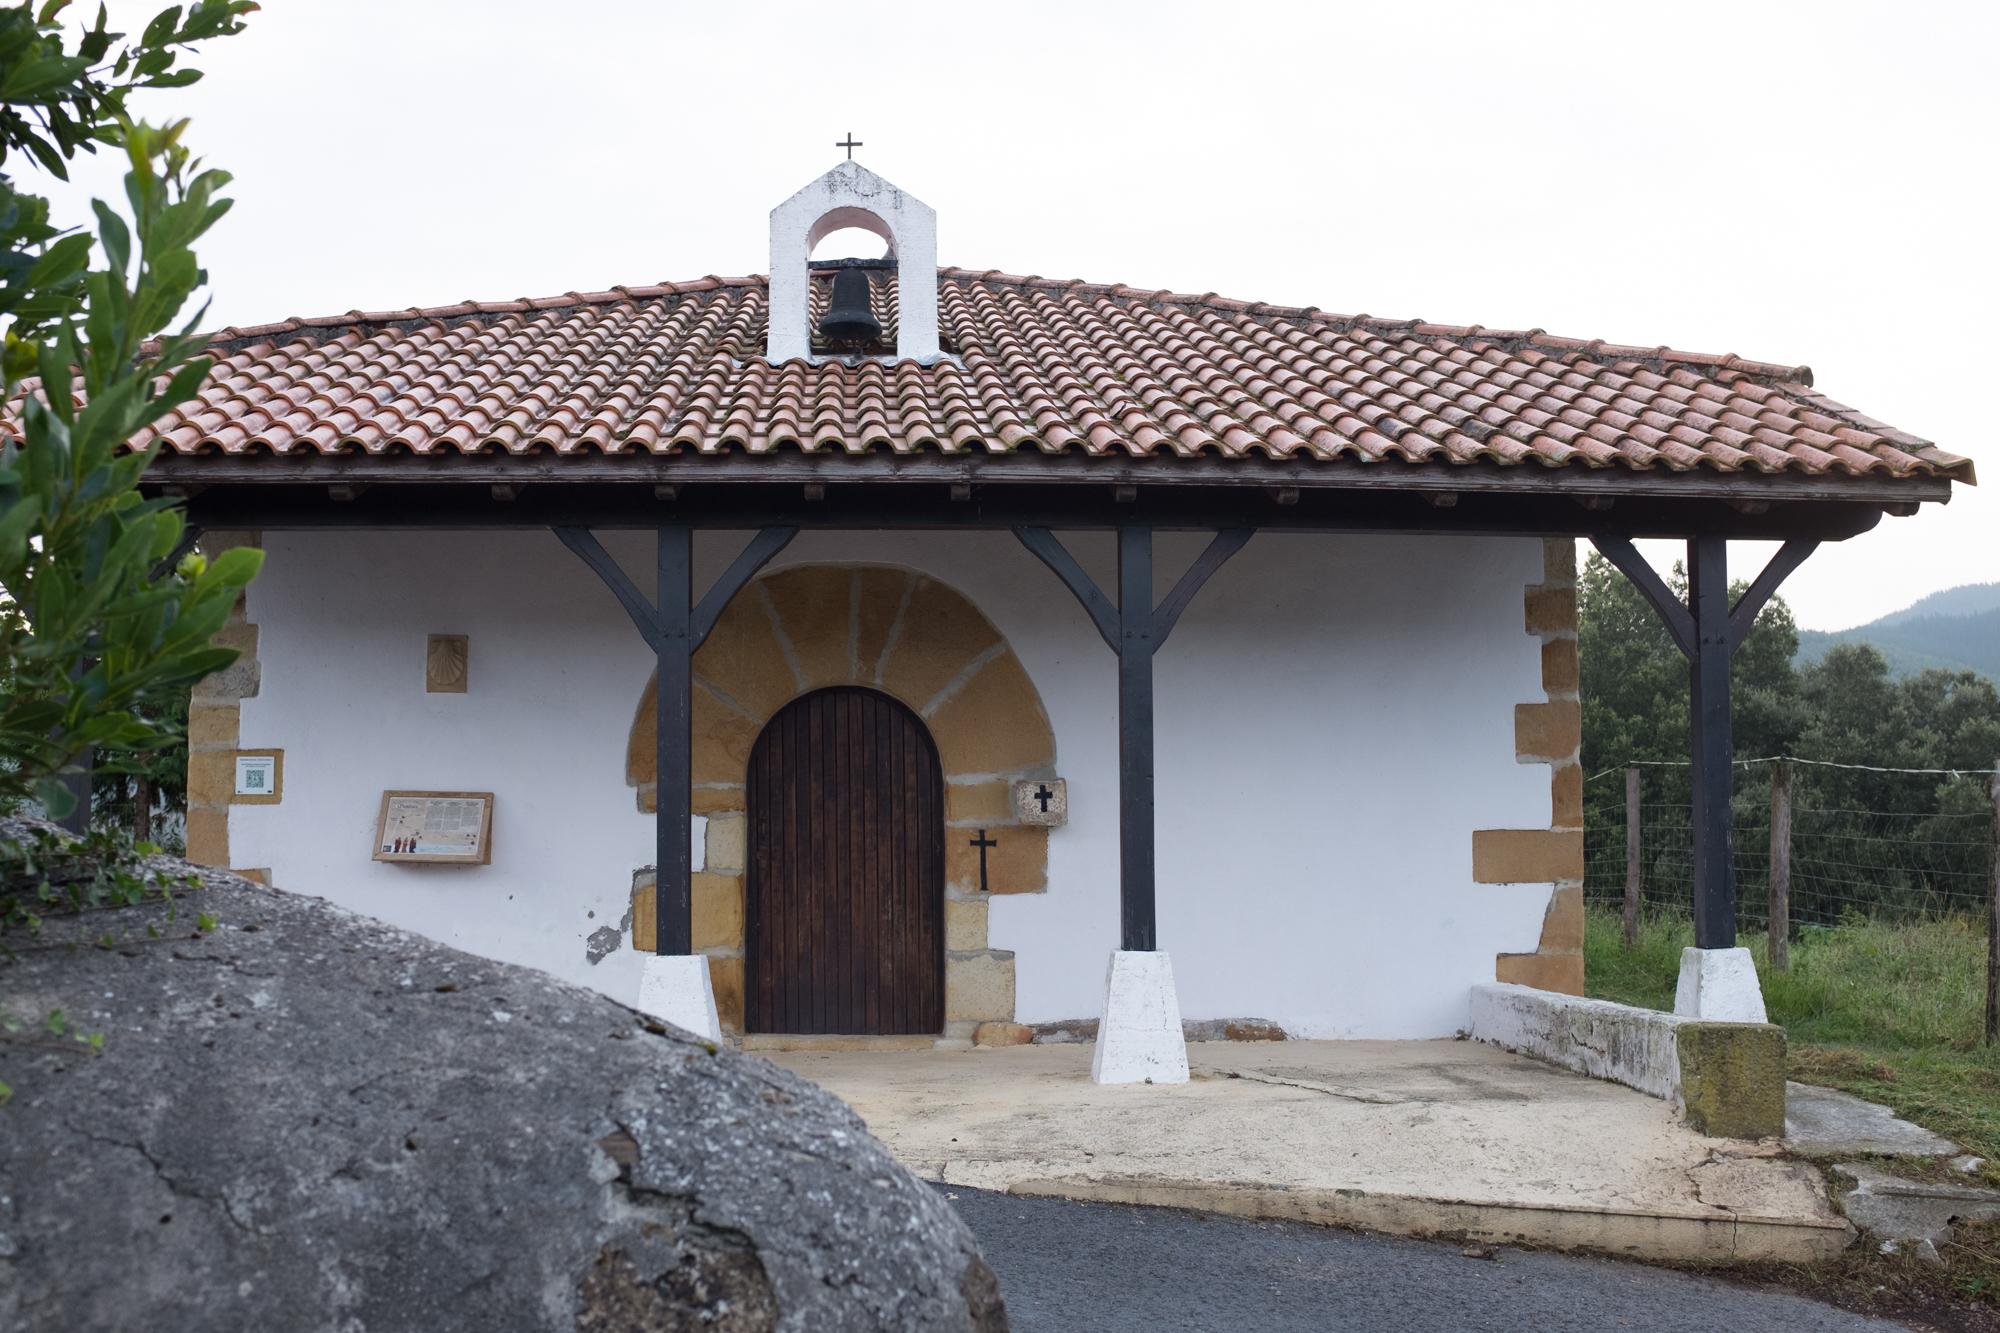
x,y
1072,402
838,490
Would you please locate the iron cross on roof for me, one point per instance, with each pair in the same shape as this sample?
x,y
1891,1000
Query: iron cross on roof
x,y
850,143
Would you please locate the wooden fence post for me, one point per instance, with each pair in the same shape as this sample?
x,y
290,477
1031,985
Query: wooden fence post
x,y
1780,913
1634,857
1993,926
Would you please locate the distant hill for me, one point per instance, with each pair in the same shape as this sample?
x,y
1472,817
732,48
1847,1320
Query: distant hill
x,y
1957,630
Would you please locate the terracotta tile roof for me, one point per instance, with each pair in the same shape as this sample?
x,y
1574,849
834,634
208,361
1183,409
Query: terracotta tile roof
x,y
1030,363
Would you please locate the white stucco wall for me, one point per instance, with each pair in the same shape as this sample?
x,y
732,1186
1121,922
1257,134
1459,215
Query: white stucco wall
x,y
1335,717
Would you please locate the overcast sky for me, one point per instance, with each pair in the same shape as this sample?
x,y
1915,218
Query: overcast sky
x,y
1796,183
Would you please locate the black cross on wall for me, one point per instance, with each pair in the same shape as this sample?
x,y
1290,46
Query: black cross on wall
x,y
982,842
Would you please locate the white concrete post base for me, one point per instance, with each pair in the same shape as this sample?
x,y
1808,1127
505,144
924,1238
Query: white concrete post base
x,y
1719,986
1139,1036
674,988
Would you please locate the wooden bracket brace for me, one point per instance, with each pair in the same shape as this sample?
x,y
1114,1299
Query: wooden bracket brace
x,y
1679,619
755,555
1680,622
1111,623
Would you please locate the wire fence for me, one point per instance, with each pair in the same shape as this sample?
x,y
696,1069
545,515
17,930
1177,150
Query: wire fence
x,y
1811,844
1893,865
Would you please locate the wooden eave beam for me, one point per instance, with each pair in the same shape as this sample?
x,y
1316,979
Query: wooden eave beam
x,y
1033,469
1000,507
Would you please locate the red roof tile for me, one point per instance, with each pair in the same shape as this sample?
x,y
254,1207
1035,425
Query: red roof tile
x,y
1031,363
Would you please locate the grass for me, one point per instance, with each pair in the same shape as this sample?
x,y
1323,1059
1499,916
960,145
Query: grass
x,y
1892,1013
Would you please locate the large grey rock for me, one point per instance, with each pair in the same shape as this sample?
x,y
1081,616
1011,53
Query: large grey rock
x,y
304,1119
1824,1122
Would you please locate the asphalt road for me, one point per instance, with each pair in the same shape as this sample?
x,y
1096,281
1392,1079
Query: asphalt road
x,y
1085,1267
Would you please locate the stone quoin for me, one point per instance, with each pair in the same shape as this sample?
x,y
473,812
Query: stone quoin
x,y
786,611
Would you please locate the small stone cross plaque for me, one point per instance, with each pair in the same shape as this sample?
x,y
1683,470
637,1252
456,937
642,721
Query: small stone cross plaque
x,y
1042,802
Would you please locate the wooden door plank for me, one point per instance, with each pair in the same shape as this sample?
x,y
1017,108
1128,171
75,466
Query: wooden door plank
x,y
844,926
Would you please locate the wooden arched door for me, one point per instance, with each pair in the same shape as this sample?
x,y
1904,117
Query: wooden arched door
x,y
844,926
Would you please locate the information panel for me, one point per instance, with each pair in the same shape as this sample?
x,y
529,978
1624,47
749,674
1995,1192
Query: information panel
x,y
454,827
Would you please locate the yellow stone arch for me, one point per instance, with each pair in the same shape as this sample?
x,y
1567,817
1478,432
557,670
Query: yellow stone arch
x,y
911,636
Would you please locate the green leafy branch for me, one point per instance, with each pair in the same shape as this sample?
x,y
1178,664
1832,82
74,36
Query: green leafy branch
x,y
101,628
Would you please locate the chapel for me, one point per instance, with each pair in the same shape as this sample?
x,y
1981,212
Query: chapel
x,y
880,652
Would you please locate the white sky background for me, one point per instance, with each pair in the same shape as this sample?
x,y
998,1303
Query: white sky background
x,y
1797,183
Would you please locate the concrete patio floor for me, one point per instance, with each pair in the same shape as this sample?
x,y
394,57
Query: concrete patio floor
x,y
1411,1138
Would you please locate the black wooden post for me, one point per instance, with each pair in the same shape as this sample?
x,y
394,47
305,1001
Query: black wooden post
x,y
1709,744
1135,629
1139,921
675,627
1707,629
673,858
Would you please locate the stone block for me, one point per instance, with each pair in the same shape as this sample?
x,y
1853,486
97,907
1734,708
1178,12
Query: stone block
x,y
1732,1078
1562,925
1559,973
1139,1037
1729,1078
1561,668
1719,985
1551,731
719,741
207,835
1043,802
723,849
1559,560
964,925
995,724
1527,856
716,800
1566,796
941,633
717,911
1821,1122
743,659
813,604
211,776
1017,863
1231,1029
238,680
1912,1215
877,600
645,914
1617,1042
988,801
214,726
675,989
1002,1034
979,987
726,976
1551,609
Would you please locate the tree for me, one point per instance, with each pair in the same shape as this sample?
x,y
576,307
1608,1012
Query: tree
x,y
1885,841
1635,680
110,618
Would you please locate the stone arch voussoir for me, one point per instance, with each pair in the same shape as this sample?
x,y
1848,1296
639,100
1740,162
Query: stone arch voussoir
x,y
911,636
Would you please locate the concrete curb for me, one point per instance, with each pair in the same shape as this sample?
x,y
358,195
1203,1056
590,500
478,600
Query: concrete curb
x,y
1710,1236
1727,1078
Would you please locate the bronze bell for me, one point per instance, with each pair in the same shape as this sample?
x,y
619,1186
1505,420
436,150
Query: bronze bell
x,y
849,321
